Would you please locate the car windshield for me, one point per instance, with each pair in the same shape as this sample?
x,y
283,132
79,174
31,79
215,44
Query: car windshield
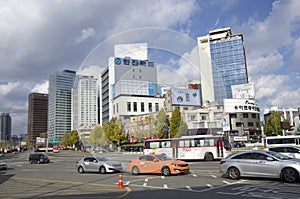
x,y
163,157
278,155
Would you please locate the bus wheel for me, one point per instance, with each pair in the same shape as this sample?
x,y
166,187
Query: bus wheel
x,y
209,157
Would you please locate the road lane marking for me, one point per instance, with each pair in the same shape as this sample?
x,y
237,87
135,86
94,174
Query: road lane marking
x,y
226,182
165,186
189,188
209,185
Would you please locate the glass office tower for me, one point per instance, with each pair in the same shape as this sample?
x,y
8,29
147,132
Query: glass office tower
x,y
59,99
222,64
5,127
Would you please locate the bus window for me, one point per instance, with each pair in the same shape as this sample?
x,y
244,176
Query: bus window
x,y
209,142
184,143
154,145
165,144
289,141
197,142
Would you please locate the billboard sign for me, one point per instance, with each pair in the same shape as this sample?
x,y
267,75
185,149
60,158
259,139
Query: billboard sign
x,y
240,106
226,122
243,91
185,97
134,51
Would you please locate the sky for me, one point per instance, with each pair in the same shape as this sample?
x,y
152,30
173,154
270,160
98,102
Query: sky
x,y
38,38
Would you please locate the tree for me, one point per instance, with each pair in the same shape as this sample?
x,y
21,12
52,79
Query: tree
x,y
114,131
273,126
98,138
70,139
161,122
182,129
175,122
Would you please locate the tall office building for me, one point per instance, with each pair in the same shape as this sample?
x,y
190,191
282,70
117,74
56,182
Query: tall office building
x,y
59,103
129,84
37,115
84,102
222,64
5,127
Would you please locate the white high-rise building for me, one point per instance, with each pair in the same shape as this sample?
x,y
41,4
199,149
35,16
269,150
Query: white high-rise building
x,y
129,84
84,106
84,102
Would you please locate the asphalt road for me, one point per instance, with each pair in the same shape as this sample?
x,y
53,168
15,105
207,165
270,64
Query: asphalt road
x,y
60,179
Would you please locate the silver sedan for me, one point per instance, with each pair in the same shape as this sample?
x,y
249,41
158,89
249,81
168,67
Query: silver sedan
x,y
266,164
98,164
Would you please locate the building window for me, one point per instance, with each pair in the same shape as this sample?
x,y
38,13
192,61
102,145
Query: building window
x,y
150,107
117,108
253,115
129,106
233,115
114,111
250,124
134,106
142,107
239,124
156,107
245,115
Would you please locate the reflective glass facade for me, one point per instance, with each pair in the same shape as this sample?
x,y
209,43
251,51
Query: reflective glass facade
x,y
228,65
59,103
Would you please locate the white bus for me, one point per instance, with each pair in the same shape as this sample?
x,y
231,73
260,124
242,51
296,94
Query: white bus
x,y
200,147
282,140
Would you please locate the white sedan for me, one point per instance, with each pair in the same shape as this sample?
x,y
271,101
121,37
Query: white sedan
x,y
98,164
265,164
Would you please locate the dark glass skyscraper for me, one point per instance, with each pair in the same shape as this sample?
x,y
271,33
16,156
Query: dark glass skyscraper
x,y
5,127
222,64
59,103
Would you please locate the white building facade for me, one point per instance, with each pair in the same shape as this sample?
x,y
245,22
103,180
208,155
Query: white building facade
x,y
129,84
84,105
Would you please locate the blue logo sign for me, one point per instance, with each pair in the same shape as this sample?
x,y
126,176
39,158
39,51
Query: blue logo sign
x,y
118,61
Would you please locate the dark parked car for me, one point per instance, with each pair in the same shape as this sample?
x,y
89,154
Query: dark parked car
x,y
238,145
3,166
38,158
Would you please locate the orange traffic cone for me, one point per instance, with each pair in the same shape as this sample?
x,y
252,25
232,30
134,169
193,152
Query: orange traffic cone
x,y
120,184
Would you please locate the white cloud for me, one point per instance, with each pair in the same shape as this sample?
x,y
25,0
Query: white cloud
x,y
189,65
296,54
264,64
85,34
269,43
41,88
7,87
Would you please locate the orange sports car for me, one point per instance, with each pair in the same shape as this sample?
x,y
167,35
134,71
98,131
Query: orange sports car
x,y
160,164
